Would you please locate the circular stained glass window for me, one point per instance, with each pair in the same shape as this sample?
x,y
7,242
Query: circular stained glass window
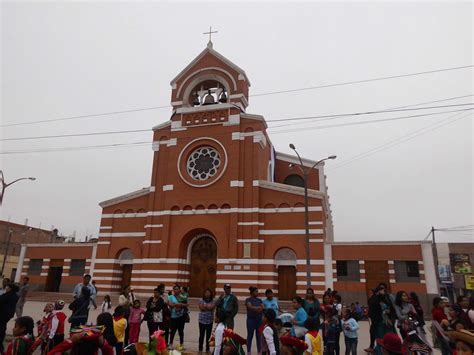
x,y
203,163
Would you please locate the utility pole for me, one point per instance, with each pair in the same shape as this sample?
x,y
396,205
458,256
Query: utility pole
x,y
435,255
8,236
304,170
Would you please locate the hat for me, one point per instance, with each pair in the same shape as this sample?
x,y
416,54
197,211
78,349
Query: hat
x,y
227,286
59,304
293,342
391,342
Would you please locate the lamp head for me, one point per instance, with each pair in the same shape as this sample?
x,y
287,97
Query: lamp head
x,y
332,157
292,146
32,178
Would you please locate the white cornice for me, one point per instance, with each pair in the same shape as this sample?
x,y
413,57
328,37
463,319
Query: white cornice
x,y
294,159
254,117
291,189
218,56
162,125
126,197
204,108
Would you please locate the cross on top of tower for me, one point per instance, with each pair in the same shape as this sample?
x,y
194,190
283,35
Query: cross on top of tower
x,y
209,44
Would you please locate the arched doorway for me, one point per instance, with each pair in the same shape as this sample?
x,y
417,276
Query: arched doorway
x,y
203,265
126,264
285,260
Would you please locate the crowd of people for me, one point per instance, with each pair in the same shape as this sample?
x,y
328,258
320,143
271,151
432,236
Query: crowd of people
x,y
397,323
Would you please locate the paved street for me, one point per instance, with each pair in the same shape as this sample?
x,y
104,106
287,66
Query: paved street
x,y
34,309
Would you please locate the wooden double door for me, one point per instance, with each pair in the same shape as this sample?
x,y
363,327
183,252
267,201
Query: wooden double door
x,y
203,266
375,273
286,282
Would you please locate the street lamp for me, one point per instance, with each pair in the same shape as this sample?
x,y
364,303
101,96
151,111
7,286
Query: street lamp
x,y
5,185
305,170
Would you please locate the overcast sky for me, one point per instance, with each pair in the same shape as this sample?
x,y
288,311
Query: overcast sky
x,y
64,59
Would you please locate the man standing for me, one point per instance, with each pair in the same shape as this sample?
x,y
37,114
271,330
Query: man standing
x,y
86,282
24,288
229,305
8,302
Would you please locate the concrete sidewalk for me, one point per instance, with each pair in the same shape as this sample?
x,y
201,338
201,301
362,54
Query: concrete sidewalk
x,y
191,332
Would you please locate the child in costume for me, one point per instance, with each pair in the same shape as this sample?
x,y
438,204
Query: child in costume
x,y
23,339
56,329
84,340
157,345
313,337
292,345
120,325
270,335
44,327
135,320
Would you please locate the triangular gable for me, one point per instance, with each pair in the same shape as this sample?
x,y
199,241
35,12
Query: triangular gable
x,y
216,54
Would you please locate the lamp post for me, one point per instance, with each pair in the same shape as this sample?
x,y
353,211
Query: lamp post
x,y
305,170
5,185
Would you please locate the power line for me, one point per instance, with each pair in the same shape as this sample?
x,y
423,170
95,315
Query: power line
x,y
254,95
149,130
97,146
366,122
363,81
407,137
467,226
400,107
332,117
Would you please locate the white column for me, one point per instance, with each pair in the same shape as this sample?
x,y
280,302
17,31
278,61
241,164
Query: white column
x,y
328,266
430,269
21,260
94,254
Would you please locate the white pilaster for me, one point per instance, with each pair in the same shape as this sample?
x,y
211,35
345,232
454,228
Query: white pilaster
x,y
21,260
94,254
328,266
430,269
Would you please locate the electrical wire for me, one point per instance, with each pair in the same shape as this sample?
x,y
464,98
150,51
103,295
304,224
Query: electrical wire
x,y
149,130
332,117
407,137
366,122
362,81
89,147
254,95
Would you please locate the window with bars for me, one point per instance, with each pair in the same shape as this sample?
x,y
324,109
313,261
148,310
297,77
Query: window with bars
x,y
407,271
35,266
348,270
78,267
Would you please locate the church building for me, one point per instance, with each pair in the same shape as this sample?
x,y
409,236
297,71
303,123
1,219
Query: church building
x,y
224,207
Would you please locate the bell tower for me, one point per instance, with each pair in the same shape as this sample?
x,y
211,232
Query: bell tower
x,y
210,79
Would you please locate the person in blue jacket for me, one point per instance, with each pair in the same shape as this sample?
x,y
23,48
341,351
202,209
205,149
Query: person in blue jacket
x,y
298,329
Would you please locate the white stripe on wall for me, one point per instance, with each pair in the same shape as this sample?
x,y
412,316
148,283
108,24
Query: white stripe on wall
x,y
151,241
128,234
213,211
153,226
250,241
289,231
250,223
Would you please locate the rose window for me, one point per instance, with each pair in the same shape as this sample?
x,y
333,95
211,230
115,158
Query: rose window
x,y
203,163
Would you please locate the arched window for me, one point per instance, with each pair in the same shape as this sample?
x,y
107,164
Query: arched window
x,y
294,180
126,257
285,256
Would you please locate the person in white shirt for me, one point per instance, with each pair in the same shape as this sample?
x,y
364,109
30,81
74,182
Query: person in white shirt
x,y
270,340
219,332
